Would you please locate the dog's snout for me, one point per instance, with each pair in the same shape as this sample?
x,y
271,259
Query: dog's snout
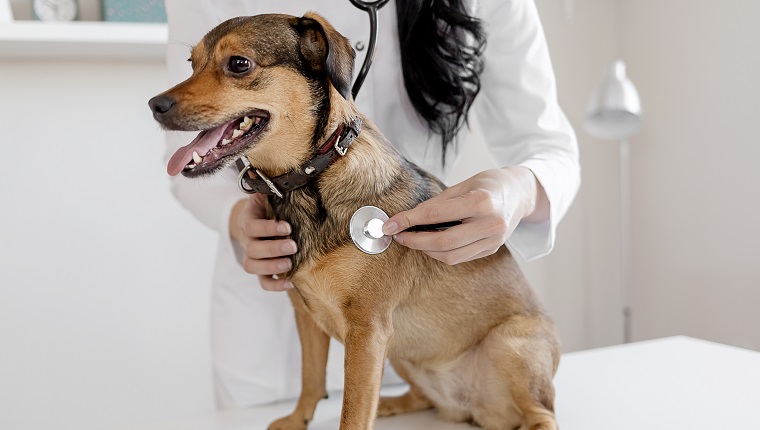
x,y
161,104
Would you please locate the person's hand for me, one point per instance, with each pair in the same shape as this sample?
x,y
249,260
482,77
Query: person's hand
x,y
265,250
490,205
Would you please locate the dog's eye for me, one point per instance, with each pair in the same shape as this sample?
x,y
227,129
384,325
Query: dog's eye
x,y
239,64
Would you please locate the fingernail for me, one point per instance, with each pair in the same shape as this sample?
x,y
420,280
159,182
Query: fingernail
x,y
284,265
390,228
289,247
283,228
398,239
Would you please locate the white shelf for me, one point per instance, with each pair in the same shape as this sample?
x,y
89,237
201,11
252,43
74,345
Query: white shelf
x,y
92,40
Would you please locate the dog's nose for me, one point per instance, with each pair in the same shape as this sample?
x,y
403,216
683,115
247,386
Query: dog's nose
x,y
161,104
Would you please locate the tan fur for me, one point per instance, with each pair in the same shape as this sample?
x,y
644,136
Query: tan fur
x,y
471,339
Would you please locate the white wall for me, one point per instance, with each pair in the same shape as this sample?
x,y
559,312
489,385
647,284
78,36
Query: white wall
x,y
694,200
695,174
104,279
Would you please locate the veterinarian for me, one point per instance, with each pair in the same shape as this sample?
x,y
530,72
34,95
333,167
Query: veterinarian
x,y
513,168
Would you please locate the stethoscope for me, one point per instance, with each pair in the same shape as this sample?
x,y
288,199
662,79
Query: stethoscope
x,y
366,226
371,7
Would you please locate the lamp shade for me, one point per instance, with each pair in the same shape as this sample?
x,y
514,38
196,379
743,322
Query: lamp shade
x,y
6,15
614,111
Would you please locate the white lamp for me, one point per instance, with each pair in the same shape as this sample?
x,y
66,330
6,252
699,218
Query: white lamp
x,y
6,15
614,113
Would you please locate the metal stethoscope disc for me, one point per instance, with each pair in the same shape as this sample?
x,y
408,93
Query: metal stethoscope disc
x,y
366,229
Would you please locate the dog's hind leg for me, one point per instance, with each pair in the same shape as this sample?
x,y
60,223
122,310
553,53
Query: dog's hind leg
x,y
412,401
314,346
524,353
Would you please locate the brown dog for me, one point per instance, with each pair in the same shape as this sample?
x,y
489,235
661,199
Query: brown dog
x,y
471,339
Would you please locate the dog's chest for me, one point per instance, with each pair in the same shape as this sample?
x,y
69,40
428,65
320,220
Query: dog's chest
x,y
316,230
324,305
338,290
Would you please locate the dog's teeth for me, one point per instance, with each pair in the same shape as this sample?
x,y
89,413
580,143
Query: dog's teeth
x,y
245,124
197,158
190,166
258,120
225,142
237,133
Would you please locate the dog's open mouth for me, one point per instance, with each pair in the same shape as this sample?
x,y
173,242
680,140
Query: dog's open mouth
x,y
215,147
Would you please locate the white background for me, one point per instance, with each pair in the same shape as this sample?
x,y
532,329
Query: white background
x,y
104,279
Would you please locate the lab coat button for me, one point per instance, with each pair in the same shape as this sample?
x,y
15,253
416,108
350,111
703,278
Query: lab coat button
x,y
359,46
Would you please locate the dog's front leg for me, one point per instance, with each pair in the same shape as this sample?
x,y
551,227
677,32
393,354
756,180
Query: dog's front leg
x,y
314,347
366,349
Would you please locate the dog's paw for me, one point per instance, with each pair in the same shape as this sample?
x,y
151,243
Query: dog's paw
x,y
402,405
291,422
385,408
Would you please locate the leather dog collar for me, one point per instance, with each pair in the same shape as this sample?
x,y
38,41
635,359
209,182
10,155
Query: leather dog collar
x,y
334,148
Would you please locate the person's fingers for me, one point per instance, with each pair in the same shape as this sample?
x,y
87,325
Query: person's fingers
x,y
264,257
470,252
267,267
486,253
258,228
263,249
269,283
441,241
431,213
471,204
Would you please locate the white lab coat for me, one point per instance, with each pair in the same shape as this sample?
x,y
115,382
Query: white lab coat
x,y
515,120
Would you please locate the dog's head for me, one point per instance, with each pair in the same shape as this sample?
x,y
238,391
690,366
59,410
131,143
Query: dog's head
x,y
262,86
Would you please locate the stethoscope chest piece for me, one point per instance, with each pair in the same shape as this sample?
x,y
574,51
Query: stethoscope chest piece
x,y
366,229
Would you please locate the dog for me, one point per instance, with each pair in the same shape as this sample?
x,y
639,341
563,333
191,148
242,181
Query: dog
x,y
470,339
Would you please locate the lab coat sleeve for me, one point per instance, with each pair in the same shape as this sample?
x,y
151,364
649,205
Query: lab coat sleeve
x,y
521,120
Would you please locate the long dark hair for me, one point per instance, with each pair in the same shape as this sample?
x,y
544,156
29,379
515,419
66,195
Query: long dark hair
x,y
441,57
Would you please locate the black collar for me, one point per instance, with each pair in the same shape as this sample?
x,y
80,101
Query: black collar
x,y
334,148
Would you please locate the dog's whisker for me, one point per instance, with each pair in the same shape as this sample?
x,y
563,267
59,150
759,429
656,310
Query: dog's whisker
x,y
189,46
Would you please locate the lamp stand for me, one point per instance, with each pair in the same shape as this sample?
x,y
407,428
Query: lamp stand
x,y
625,238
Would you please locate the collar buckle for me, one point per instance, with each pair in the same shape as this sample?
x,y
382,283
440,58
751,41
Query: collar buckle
x,y
272,187
341,148
245,185
243,176
353,130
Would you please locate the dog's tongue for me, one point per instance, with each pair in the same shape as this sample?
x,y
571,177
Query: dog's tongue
x,y
202,144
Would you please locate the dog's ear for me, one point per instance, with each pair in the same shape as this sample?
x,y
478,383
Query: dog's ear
x,y
324,49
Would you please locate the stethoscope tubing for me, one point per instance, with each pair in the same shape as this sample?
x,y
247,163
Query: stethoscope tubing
x,y
371,8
